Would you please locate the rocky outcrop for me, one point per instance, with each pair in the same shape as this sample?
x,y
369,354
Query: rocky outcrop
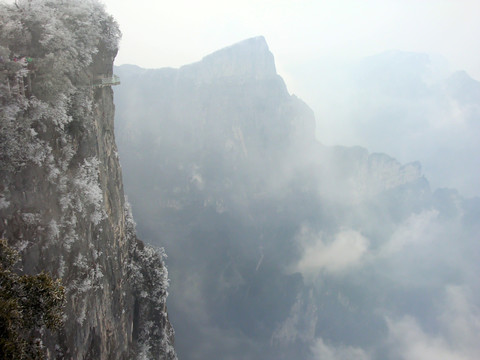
x,y
254,212
355,175
232,104
62,200
245,61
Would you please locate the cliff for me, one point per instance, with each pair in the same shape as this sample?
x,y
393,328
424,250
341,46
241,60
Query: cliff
x,y
231,106
279,247
245,61
61,193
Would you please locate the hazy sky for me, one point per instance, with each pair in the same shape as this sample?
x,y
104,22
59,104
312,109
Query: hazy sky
x,y
174,33
311,40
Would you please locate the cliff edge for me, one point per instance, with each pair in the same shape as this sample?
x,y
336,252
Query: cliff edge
x,y
61,193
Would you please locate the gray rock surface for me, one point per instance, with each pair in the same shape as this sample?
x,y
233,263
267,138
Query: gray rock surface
x,y
280,247
62,200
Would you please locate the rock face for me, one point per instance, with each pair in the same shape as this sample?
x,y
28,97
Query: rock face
x,y
280,247
61,193
232,103
356,175
245,61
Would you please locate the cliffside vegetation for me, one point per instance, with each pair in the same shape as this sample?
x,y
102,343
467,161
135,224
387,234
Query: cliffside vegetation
x,y
29,306
62,205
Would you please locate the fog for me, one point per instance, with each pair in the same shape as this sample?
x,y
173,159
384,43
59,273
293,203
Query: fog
x,y
409,105
339,223
315,183
403,100
285,247
172,34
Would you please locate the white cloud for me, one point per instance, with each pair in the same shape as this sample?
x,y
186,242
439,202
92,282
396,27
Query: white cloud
x,y
461,318
345,251
456,340
300,323
414,344
418,229
322,351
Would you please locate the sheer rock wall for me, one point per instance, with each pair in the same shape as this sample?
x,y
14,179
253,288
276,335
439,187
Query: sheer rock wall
x,y
61,193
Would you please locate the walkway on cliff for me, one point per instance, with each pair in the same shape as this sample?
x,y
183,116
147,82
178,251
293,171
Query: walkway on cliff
x,y
102,81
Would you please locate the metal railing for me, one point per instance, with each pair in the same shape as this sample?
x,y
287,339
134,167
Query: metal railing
x,y
106,81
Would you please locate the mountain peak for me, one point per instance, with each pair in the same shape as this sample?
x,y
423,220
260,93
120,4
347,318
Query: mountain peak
x,y
252,46
247,59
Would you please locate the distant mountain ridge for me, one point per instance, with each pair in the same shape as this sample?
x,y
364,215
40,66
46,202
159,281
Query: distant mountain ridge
x,y
248,59
409,105
280,247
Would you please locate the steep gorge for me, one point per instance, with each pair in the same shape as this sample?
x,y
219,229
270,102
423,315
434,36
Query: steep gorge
x,y
281,247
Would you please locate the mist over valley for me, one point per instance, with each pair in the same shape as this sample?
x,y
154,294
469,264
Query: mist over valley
x,y
322,204
281,247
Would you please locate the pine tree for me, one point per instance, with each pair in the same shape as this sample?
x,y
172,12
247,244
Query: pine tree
x,y
29,304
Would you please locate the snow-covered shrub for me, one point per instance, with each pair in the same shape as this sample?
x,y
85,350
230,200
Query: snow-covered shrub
x,y
89,193
149,278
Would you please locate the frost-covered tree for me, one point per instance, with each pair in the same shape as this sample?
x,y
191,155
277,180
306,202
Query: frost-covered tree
x,y
46,49
60,47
